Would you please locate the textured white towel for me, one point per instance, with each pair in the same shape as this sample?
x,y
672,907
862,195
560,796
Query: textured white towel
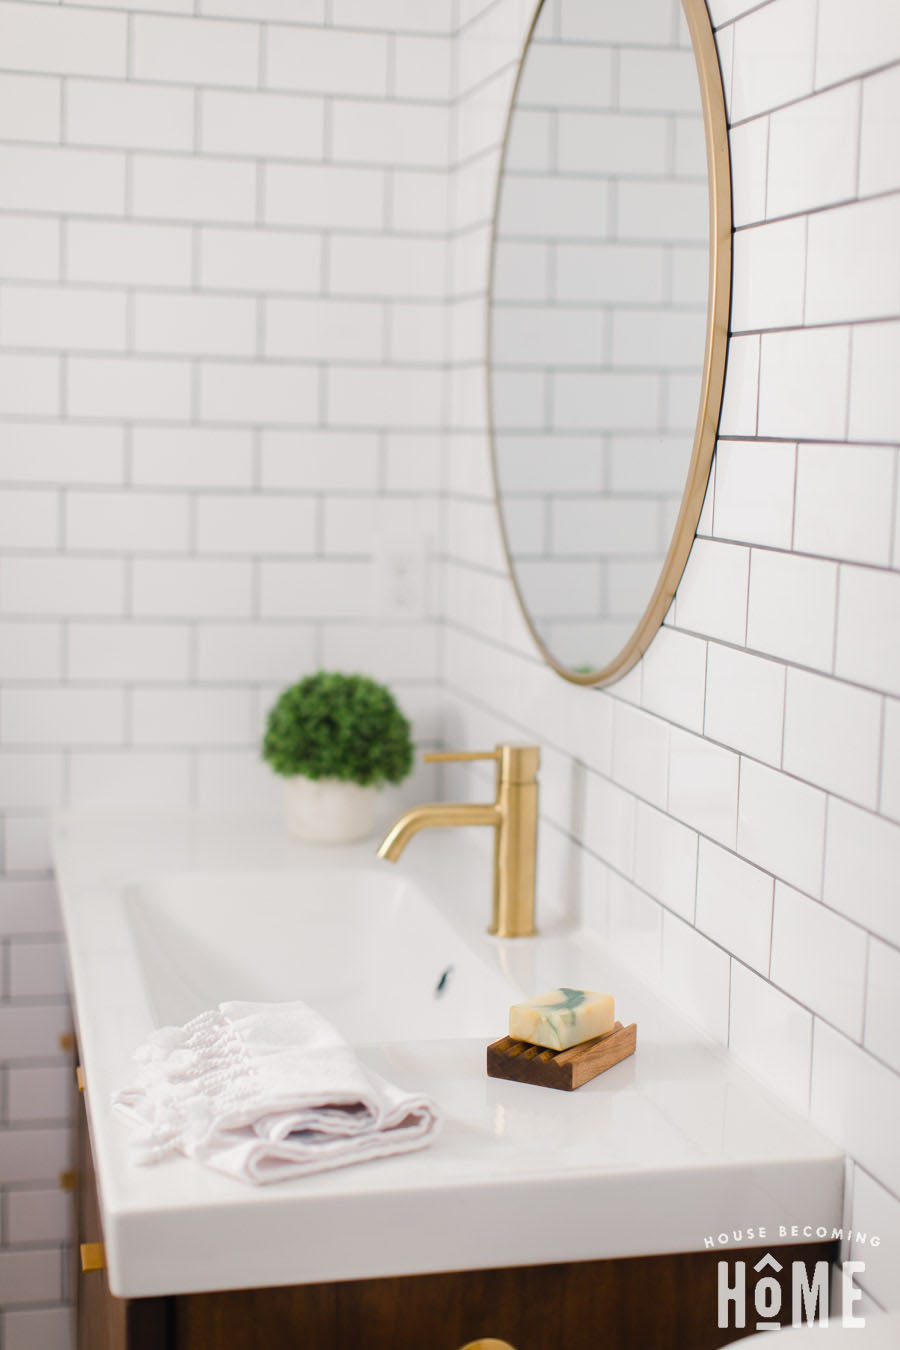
x,y
266,1092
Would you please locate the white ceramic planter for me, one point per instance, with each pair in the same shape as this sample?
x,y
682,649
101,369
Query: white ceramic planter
x,y
328,811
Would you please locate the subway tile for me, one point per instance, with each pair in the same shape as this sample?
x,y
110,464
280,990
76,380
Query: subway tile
x,y
781,826
62,585
740,397
185,187
745,702
813,151
29,518
292,11
389,651
129,779
769,270
420,201
857,1101
129,388
253,392
879,171
198,457
640,752
31,104
326,61
844,49
773,57
41,178
350,525
38,452
876,1213
803,383
191,588
194,51
861,866
609,821
37,969
30,651
792,608
207,325
28,1031
331,197
853,271
27,844
418,332
819,959
33,1276
61,716
49,1328
754,492
390,133
844,502
29,385
696,976
890,760
236,779
130,115
832,735
29,246
29,907
121,652
262,259
883,1003
270,126
712,595
634,925
868,636
186,717
63,317
256,524
320,461
874,393
126,522
749,168
40,1216
772,1035
665,860
703,786
315,590
127,252
388,266
423,66
258,652
68,42
372,396
734,904
675,678
324,329
404,15
43,1093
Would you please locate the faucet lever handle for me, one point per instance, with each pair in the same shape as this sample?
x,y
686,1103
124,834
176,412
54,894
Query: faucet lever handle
x,y
453,756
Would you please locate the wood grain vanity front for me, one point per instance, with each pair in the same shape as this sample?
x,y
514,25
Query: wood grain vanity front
x,y
664,1302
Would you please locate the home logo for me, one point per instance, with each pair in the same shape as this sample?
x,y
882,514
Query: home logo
x,y
777,1290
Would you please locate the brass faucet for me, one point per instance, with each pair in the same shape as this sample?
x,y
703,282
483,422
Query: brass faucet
x,y
514,817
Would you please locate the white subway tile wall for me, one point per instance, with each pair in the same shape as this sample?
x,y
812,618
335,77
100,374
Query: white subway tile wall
x,y
743,831
223,280
244,255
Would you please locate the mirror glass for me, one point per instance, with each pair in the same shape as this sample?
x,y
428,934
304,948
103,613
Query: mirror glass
x,y
600,293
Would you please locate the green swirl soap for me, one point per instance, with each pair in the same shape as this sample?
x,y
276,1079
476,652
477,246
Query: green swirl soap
x,y
562,1018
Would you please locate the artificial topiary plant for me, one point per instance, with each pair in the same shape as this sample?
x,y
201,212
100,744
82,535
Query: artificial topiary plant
x,y
331,725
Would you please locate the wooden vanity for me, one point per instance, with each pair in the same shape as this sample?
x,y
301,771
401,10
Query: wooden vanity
x,y
648,1302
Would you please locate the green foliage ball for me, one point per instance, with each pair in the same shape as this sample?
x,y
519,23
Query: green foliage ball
x,y
331,725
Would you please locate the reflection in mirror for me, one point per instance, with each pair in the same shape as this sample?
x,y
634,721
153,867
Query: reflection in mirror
x,y
600,291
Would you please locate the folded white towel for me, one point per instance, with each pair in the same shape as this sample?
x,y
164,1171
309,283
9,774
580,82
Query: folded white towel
x,y
266,1092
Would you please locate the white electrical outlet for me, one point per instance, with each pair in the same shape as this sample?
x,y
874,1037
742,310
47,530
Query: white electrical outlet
x,y
401,567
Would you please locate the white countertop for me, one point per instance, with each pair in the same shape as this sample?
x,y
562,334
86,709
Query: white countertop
x,y
665,1150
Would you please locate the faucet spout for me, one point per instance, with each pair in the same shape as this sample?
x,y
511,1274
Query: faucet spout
x,y
432,814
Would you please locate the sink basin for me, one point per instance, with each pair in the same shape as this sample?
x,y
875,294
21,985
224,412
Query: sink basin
x,y
168,915
362,945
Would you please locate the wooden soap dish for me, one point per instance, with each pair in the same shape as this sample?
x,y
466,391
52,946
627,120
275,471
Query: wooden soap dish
x,y
563,1069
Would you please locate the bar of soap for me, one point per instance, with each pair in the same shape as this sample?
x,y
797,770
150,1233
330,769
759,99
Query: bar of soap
x,y
562,1018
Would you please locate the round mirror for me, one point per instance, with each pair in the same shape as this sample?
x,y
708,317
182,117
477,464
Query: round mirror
x,y
610,294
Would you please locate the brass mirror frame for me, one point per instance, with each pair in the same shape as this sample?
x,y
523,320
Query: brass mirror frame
x,y
718,160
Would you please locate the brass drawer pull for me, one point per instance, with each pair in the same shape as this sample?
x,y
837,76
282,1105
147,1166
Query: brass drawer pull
x,y
68,1181
93,1256
488,1343
79,1078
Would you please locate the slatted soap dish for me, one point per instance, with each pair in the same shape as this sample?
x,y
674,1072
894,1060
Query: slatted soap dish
x,y
527,1054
